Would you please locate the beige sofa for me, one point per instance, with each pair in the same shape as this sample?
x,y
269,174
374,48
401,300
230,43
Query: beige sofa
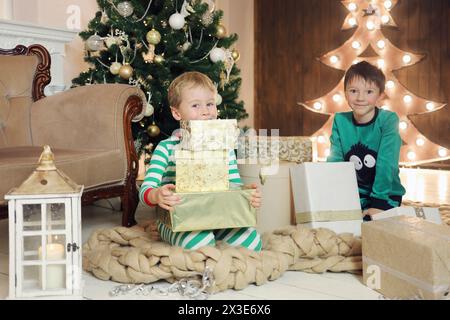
x,y
88,129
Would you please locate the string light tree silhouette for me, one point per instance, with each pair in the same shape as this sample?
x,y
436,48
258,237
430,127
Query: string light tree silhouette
x,y
148,43
368,16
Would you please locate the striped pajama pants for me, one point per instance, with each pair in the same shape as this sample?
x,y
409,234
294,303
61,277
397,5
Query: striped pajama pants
x,y
192,240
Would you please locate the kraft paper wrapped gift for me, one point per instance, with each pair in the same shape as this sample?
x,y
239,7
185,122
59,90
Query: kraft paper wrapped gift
x,y
406,258
210,211
198,171
277,206
198,135
430,214
326,196
267,148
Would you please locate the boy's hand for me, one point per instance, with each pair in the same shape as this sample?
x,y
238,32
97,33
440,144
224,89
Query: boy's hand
x,y
371,211
165,197
255,200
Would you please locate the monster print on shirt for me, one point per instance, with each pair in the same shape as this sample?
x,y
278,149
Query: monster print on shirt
x,y
365,161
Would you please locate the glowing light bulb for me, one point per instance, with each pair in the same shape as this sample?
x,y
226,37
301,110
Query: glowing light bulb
x,y
390,84
381,44
380,63
352,6
327,152
388,4
407,58
352,21
411,155
317,105
420,142
337,97
356,45
321,139
385,19
403,125
442,152
370,25
407,98
334,59
430,106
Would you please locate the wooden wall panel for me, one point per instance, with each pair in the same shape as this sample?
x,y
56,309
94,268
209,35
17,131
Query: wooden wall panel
x,y
291,34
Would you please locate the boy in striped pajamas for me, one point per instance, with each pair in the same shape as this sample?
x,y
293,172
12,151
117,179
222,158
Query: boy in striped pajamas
x,y
192,96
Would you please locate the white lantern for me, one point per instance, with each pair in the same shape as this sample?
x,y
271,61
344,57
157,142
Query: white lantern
x,y
45,234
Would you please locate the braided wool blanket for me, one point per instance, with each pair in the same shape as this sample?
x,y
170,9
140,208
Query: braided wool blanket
x,y
129,255
135,255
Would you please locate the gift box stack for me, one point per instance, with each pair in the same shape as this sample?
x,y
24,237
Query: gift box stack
x,y
202,180
266,160
407,257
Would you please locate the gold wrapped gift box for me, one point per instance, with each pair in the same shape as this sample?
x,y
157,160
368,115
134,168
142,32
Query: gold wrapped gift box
x,y
406,258
293,149
198,171
198,135
210,211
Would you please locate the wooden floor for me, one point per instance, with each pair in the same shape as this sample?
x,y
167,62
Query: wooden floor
x,y
425,185
431,186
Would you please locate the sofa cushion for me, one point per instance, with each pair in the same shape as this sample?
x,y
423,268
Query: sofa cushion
x,y
16,85
91,168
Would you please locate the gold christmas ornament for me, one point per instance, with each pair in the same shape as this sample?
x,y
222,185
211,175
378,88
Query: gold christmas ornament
x,y
159,59
221,32
126,71
235,54
153,37
153,130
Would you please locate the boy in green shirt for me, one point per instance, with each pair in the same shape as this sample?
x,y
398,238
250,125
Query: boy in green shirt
x,y
369,137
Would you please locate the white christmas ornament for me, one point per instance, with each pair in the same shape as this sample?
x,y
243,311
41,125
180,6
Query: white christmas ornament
x,y
217,54
176,21
94,43
149,110
115,67
125,9
218,100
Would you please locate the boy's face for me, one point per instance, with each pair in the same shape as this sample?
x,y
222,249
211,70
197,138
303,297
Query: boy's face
x,y
363,97
197,103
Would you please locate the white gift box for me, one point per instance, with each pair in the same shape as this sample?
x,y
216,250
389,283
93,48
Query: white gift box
x,y
277,207
430,214
326,196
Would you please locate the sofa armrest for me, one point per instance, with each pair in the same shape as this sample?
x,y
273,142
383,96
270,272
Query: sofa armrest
x,y
94,117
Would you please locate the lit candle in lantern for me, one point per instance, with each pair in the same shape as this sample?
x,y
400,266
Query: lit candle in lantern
x,y
55,272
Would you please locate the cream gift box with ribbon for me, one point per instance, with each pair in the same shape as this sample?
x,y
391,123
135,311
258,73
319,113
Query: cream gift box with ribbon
x,y
200,135
326,196
430,214
406,258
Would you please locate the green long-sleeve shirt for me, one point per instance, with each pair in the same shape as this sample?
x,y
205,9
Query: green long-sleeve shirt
x,y
374,148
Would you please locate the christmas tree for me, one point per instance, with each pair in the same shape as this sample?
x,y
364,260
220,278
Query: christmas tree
x,y
148,43
368,16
